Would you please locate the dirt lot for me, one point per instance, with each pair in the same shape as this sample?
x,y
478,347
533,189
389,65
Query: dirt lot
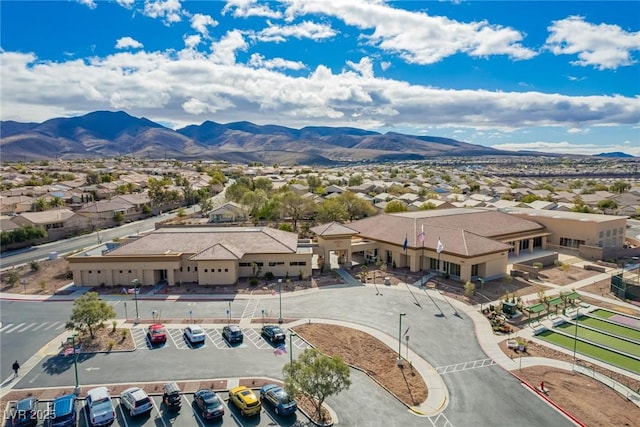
x,y
47,278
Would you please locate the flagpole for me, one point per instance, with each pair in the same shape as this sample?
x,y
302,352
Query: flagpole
x,y
438,275
422,236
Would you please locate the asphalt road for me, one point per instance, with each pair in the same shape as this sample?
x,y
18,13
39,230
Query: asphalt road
x,y
486,395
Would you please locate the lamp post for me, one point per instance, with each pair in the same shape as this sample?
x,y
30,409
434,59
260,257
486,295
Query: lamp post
x,y
400,338
135,284
575,336
76,390
280,294
291,335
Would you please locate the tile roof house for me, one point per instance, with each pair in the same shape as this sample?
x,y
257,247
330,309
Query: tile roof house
x,y
476,242
202,255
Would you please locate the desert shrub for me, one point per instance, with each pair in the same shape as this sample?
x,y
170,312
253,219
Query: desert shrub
x,y
11,278
35,266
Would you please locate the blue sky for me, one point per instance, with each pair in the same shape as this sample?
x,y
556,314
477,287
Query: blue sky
x,y
552,76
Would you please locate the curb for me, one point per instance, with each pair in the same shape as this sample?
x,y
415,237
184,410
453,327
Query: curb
x,y
549,401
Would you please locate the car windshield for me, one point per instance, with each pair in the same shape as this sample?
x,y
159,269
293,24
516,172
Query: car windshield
x,y
157,331
283,397
142,402
100,401
24,405
212,403
197,331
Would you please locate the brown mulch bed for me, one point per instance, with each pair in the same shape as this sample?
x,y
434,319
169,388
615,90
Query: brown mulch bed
x,y
588,400
106,339
50,276
367,353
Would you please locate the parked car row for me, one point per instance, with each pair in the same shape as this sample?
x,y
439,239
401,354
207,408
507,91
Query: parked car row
x,y
195,334
101,411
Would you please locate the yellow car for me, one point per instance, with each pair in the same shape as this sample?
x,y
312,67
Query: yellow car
x,y
246,400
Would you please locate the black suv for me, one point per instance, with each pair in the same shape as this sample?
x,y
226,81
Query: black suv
x,y
232,333
171,396
273,333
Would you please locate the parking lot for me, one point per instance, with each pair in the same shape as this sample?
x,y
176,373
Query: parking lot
x,y
189,415
213,340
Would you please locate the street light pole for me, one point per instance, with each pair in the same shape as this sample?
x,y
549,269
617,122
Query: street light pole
x,y
280,320
400,338
575,337
291,335
135,283
75,363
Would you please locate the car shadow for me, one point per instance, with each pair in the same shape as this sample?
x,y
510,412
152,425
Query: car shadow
x,y
56,365
198,414
253,420
290,420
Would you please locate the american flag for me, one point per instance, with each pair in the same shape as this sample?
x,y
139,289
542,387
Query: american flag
x,y
421,235
282,349
69,350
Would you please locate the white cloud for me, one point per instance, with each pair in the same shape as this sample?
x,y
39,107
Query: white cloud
x,y
384,65
192,41
164,85
304,30
364,67
128,43
601,46
416,36
247,8
200,23
258,61
565,147
224,51
126,3
168,10
89,3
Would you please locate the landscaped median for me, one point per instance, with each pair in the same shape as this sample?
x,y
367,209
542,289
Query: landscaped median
x,y
370,355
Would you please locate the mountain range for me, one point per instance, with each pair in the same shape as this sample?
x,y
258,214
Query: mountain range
x,y
103,134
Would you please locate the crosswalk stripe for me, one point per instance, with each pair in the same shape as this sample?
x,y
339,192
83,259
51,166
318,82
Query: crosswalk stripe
x,y
41,325
27,327
15,327
51,326
6,327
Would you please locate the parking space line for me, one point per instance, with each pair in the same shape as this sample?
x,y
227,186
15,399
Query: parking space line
x,y
256,338
172,338
158,412
122,415
216,338
199,420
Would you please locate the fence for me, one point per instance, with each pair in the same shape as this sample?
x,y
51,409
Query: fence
x,y
625,391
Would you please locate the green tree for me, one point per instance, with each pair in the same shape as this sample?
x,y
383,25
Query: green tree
x,y
607,204
427,206
11,278
469,289
529,198
118,217
620,187
295,207
88,312
56,202
355,206
331,210
253,201
314,182
316,376
39,205
355,180
395,206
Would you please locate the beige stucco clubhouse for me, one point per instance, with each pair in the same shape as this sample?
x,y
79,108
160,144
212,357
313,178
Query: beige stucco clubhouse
x,y
475,243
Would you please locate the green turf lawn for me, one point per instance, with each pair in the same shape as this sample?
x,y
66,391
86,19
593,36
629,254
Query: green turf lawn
x,y
594,351
601,338
605,314
616,329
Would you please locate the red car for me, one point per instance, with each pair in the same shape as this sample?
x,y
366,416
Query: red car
x,y
157,334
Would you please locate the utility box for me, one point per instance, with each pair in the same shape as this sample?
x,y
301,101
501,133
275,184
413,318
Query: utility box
x,y
509,308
